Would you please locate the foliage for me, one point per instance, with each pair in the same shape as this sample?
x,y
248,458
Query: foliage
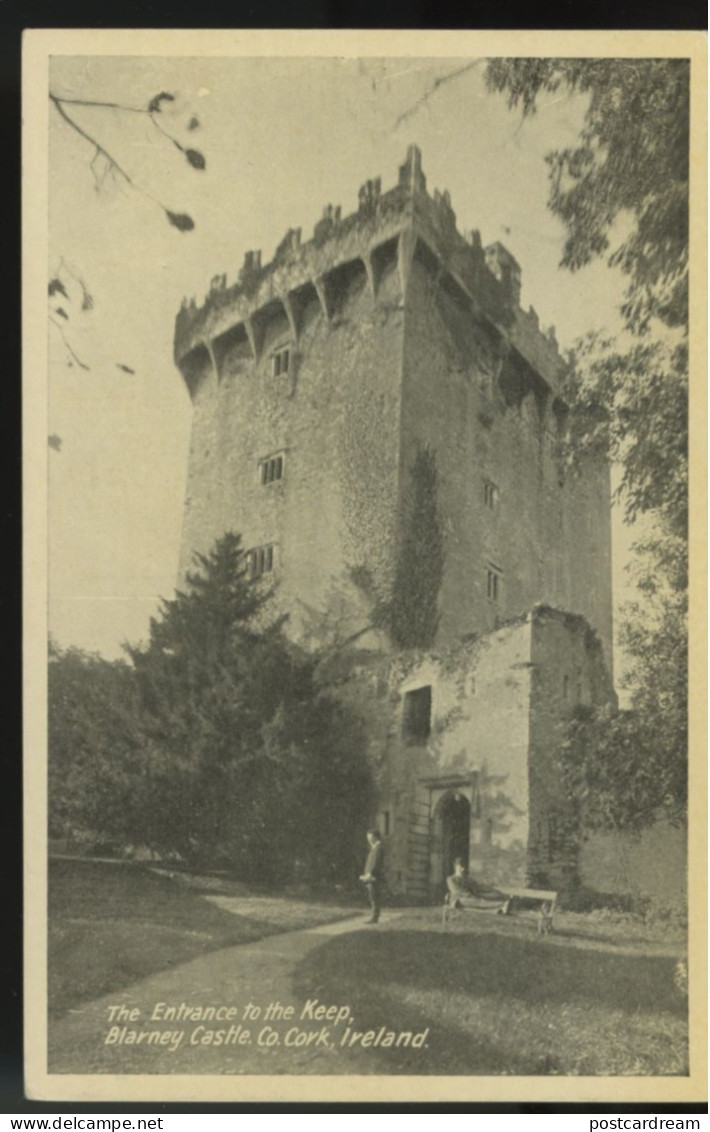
x,y
632,406
94,744
628,768
409,613
630,164
69,298
622,192
237,752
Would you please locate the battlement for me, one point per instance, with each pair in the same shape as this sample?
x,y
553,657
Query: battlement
x,y
487,280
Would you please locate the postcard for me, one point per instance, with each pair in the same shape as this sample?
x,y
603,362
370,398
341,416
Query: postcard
x,y
362,761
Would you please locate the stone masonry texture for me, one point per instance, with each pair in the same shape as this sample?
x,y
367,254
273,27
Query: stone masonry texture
x,y
423,507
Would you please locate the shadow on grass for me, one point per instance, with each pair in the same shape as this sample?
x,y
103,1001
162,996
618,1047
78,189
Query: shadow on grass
x,y
113,924
533,971
396,978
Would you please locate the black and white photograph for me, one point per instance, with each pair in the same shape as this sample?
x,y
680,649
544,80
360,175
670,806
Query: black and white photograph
x,y
357,556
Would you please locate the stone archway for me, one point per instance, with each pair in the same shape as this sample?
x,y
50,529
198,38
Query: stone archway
x,y
450,835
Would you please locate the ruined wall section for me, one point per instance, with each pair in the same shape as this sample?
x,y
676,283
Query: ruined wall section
x,y
334,419
480,692
569,671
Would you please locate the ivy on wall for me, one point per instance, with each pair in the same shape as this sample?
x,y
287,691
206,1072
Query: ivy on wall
x,y
414,614
410,614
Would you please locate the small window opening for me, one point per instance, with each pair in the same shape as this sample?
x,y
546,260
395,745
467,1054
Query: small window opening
x,y
385,823
416,720
260,560
491,495
494,583
280,361
271,469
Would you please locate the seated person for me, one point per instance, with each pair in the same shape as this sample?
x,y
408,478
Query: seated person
x,y
459,885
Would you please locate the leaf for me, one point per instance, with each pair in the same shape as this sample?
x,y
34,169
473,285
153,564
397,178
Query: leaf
x,y
62,312
195,158
126,369
87,303
193,124
101,166
180,220
56,285
55,442
154,104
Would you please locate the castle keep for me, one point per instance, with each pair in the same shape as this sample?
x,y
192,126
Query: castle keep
x,y
380,420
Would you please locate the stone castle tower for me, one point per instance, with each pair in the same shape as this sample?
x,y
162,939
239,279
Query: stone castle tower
x,y
380,420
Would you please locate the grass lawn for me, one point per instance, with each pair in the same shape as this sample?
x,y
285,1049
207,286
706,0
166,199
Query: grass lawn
x,y
112,924
498,999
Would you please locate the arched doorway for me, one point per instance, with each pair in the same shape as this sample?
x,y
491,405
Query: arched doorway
x,y
451,834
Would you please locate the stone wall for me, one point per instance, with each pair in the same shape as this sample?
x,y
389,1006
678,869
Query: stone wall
x,y
480,694
500,704
335,419
407,345
506,503
651,865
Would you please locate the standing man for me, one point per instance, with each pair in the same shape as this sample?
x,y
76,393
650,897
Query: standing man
x,y
373,872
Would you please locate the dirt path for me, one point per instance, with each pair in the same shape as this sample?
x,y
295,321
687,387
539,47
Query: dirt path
x,y
84,1041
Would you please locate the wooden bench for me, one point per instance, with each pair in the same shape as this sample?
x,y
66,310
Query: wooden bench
x,y
545,898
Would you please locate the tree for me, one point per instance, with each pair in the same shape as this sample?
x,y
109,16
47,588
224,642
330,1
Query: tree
x,y
631,161
95,746
622,192
250,759
219,742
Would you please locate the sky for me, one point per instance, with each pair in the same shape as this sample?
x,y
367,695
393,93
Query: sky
x,y
282,138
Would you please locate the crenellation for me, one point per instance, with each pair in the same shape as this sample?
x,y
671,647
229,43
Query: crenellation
x,y
288,247
506,270
488,281
251,271
327,225
411,176
368,195
442,203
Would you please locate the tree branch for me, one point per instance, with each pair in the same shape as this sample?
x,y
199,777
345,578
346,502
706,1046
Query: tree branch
x,y
438,82
181,221
69,348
